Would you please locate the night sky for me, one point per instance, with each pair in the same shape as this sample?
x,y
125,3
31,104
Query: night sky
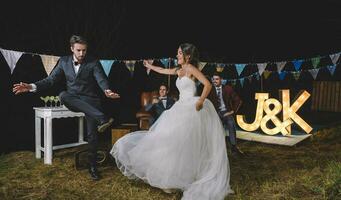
x,y
247,31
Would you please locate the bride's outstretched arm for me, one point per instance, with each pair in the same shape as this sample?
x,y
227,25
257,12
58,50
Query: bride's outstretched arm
x,y
207,86
159,69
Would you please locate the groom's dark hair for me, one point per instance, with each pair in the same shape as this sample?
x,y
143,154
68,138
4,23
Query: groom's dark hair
x,y
217,74
78,39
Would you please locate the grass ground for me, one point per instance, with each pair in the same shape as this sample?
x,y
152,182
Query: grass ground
x,y
310,170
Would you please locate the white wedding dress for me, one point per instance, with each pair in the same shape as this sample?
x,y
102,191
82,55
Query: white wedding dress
x,y
184,149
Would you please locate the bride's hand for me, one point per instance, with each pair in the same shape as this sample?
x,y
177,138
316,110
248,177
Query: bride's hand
x,y
148,63
199,104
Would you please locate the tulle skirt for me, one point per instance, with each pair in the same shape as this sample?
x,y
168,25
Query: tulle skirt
x,y
184,149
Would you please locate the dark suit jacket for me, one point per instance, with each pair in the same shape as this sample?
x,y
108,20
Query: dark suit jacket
x,y
158,108
231,99
90,75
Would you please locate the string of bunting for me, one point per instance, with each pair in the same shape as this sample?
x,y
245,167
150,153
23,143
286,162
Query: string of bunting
x,y
49,61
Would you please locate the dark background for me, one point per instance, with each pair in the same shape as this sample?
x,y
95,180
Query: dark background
x,y
229,32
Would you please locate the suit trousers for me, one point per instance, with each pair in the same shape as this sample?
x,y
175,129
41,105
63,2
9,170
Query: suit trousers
x,y
230,125
91,107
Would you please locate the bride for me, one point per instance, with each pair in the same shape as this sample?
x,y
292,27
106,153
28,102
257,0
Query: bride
x,y
185,147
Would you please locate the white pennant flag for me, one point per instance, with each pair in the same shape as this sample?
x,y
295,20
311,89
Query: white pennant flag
x,y
261,68
11,57
49,62
280,66
314,72
202,65
334,57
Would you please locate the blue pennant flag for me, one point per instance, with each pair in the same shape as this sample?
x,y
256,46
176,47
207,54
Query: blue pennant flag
x,y
297,64
223,81
165,62
282,75
240,68
175,62
106,64
331,69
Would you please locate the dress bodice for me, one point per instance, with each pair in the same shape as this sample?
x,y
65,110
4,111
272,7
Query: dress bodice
x,y
186,87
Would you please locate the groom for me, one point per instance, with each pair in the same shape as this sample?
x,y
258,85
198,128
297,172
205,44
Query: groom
x,y
83,75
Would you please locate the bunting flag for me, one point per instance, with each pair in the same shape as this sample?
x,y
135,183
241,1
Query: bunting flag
x,y
130,64
314,72
334,57
233,82
296,75
257,77
241,82
106,64
282,75
49,62
331,69
165,62
240,68
261,68
223,81
266,74
315,61
175,62
11,57
297,64
280,66
202,65
219,67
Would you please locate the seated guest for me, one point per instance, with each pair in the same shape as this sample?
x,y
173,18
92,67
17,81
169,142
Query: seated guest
x,y
160,103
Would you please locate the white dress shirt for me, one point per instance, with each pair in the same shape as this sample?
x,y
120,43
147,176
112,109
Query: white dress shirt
x,y
222,106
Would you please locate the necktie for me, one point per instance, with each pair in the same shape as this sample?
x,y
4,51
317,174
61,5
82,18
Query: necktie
x,y
218,95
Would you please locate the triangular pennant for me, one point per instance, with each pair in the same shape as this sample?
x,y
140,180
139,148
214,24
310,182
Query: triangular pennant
x,y
261,68
49,62
267,74
223,81
220,67
175,62
240,68
257,76
106,64
165,62
280,66
296,75
241,82
282,75
314,72
233,82
297,64
130,66
334,57
331,69
202,65
11,57
315,61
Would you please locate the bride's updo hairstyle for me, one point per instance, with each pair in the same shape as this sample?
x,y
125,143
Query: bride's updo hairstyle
x,y
191,51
